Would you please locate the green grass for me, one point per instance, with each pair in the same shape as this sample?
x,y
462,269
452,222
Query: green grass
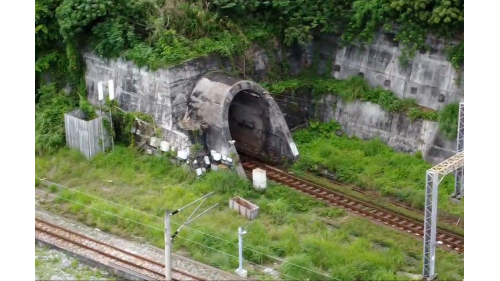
x,y
290,225
54,265
371,165
448,120
351,89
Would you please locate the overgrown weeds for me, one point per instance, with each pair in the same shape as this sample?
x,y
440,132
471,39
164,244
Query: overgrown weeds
x,y
448,120
289,224
352,89
371,165
49,118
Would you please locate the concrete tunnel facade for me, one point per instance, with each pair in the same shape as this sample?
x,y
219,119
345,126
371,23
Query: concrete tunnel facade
x,y
232,109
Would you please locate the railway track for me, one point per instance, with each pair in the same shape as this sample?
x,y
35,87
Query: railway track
x,y
105,253
442,217
445,239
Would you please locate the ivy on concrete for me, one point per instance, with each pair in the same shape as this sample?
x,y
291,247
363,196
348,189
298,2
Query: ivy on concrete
x,y
156,34
354,88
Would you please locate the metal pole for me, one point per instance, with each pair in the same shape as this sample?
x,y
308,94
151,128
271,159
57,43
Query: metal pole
x,y
459,173
168,247
240,247
240,271
430,221
102,127
112,129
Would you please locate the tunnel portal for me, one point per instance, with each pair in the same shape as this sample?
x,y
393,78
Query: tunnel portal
x,y
240,116
249,123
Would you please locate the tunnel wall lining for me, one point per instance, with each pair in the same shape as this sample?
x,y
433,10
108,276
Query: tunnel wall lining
x,y
209,104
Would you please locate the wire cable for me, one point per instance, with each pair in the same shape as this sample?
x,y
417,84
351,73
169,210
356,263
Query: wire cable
x,y
187,227
162,230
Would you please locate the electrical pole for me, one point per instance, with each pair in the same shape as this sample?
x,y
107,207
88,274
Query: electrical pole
x,y
170,238
168,248
240,271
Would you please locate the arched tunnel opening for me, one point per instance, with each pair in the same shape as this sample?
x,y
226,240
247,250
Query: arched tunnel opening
x,y
240,117
249,124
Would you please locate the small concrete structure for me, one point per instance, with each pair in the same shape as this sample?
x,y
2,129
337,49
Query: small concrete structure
x,y
244,207
259,179
241,272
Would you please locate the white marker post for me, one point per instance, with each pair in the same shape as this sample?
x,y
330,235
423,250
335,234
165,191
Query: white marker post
x,y
100,91
111,91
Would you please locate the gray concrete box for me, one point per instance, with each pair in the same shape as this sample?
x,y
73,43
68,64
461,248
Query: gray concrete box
x,y
244,207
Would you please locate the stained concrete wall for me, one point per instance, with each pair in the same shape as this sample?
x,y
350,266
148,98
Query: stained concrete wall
x,y
211,101
190,89
162,94
429,78
366,121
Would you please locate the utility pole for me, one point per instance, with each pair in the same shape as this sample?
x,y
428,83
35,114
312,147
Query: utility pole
x,y
240,271
168,247
170,238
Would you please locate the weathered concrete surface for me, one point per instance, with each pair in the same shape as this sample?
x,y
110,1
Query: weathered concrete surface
x,y
230,108
191,91
367,121
429,78
162,94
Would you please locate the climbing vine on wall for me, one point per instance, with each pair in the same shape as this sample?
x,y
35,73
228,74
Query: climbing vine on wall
x,y
355,88
157,33
456,56
358,21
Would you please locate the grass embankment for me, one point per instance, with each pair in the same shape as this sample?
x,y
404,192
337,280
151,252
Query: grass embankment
x,y
289,225
370,165
54,265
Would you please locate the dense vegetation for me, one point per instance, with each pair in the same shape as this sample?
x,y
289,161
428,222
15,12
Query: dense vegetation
x,y
300,231
156,33
371,165
356,88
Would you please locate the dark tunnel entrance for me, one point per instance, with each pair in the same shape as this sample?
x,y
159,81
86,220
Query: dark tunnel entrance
x,y
239,117
249,123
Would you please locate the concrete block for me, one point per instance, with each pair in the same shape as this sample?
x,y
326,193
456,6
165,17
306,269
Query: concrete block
x,y
154,142
241,272
164,146
217,156
244,208
259,178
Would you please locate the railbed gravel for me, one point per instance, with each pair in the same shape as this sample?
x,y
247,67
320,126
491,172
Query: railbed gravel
x,y
178,262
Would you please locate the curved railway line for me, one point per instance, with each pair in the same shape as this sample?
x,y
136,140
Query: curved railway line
x,y
102,252
445,239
